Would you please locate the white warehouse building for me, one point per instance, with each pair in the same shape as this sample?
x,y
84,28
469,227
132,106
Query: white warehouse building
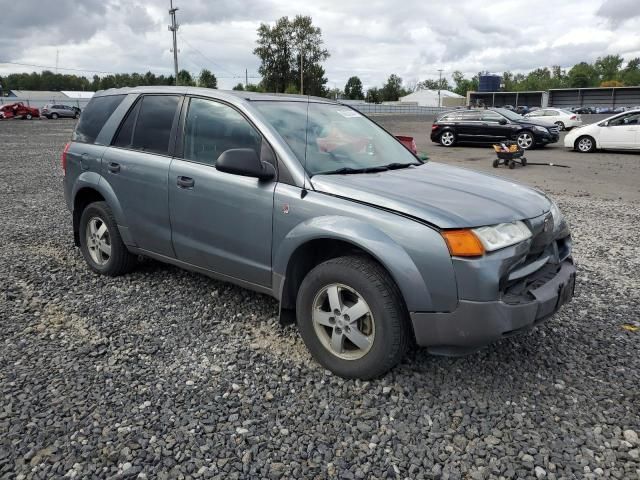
x,y
429,98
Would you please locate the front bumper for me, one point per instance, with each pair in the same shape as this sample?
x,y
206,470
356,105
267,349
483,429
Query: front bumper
x,y
476,324
546,138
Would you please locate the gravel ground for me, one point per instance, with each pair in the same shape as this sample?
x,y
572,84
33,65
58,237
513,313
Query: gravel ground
x,y
168,374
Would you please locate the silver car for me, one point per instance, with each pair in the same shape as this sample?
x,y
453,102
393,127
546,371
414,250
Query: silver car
x,y
55,111
367,248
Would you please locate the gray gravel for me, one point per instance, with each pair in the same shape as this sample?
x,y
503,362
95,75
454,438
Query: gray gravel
x,y
168,374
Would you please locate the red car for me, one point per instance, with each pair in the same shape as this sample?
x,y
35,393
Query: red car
x,y
18,110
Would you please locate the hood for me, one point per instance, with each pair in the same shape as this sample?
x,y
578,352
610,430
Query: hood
x,y
445,196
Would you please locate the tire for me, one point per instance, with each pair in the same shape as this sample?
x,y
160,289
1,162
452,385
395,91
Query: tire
x,y
523,162
585,144
447,138
28,116
525,140
119,260
76,116
383,331
560,125
54,116
496,163
512,165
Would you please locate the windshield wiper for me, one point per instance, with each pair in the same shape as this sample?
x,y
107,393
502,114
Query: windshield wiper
x,y
344,170
395,166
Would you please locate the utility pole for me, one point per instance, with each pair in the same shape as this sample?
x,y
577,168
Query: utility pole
x,y
246,78
174,28
301,74
439,87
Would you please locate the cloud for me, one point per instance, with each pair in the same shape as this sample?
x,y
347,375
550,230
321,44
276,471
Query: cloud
x,y
368,38
619,11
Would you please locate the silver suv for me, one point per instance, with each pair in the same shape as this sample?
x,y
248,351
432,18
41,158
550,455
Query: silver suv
x,y
366,247
55,111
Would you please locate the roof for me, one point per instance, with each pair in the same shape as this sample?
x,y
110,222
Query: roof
x,y
215,93
39,95
425,93
525,92
77,94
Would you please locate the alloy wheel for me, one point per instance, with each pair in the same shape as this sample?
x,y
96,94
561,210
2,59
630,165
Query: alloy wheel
x,y
585,145
525,140
343,322
98,241
447,139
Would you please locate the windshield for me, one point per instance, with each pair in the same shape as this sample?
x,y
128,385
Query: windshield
x,y
509,114
334,138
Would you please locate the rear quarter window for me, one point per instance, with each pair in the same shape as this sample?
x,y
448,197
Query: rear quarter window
x,y
94,116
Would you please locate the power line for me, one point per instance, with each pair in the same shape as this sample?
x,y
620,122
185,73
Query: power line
x,y
231,74
49,67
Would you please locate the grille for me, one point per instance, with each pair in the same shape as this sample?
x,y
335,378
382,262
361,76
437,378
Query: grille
x,y
554,130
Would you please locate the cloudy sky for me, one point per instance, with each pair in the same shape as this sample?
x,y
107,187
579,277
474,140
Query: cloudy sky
x,y
368,38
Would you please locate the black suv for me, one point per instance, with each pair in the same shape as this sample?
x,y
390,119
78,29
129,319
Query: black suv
x,y
491,126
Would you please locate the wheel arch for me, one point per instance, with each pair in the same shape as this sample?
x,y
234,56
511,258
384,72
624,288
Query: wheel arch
x,y
314,242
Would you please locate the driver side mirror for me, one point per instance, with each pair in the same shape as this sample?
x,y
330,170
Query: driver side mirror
x,y
503,121
245,162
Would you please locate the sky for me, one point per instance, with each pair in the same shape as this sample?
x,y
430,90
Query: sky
x,y
368,38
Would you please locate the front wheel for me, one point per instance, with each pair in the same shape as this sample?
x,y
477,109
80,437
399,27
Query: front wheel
x,y
29,116
100,242
585,144
525,140
447,139
352,318
54,116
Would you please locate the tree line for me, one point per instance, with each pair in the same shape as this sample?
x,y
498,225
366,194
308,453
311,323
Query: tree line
x,y
47,80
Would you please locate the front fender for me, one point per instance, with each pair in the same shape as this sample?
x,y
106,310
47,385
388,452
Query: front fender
x,y
366,237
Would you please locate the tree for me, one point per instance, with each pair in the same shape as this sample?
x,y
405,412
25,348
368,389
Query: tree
x,y
392,90
582,75
462,84
374,95
185,78
353,89
608,67
428,84
206,79
239,86
250,87
631,73
283,47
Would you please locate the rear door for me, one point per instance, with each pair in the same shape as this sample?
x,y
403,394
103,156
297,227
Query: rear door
x,y
220,221
468,126
136,166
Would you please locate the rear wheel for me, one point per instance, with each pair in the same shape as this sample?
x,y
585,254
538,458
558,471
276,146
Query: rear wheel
x,y
352,318
100,242
525,140
54,116
28,116
447,139
496,163
585,144
560,125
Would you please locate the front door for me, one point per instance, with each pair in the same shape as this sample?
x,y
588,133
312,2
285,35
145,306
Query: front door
x,y
136,166
621,132
220,221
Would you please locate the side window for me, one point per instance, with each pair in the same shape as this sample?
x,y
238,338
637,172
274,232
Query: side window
x,y
550,113
630,119
491,117
94,116
211,128
153,126
124,137
470,116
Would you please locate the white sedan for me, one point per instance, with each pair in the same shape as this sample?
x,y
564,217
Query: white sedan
x,y
621,131
563,119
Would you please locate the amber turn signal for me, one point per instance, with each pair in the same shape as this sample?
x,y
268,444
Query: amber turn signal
x,y
463,243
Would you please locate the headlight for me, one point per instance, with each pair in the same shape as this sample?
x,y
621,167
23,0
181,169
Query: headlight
x,y
556,214
540,129
502,235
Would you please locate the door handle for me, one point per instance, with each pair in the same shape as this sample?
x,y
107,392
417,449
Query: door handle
x,y
186,182
114,167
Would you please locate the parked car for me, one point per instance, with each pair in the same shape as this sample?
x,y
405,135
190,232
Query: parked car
x,y
365,245
620,131
55,111
408,142
491,126
19,110
584,110
563,119
522,109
